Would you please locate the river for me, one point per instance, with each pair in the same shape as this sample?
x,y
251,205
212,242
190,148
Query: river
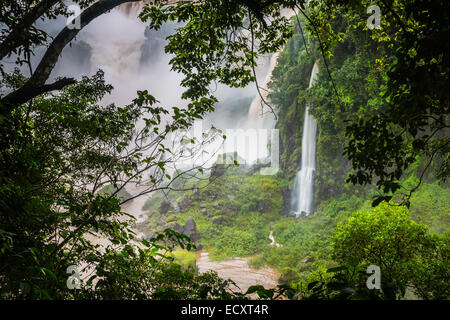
x,y
237,269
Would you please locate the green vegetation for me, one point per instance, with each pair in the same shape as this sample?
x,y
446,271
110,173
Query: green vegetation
x,y
381,102
229,223
311,245
108,190
186,259
386,236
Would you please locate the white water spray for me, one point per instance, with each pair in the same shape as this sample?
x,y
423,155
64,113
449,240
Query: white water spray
x,y
256,107
303,192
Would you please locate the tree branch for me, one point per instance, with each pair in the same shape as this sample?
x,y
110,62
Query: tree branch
x,y
36,83
18,35
26,93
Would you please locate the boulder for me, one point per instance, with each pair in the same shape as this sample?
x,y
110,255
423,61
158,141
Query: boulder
x,y
165,207
197,195
308,260
186,202
190,229
218,220
216,171
175,227
287,276
261,206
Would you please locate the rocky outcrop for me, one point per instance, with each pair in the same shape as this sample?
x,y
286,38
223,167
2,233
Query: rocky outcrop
x,y
197,195
184,204
165,207
288,275
190,229
203,209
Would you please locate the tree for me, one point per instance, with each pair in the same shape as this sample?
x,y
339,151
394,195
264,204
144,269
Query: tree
x,y
414,122
59,150
407,255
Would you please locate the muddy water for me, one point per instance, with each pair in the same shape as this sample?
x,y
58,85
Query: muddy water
x,y
238,270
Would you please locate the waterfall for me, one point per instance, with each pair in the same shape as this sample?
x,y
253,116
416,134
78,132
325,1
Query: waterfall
x,y
303,192
257,103
116,40
256,107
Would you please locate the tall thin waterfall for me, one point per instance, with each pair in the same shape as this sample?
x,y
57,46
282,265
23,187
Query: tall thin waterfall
x,y
303,192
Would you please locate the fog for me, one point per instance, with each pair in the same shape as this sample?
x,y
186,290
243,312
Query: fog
x,y
133,58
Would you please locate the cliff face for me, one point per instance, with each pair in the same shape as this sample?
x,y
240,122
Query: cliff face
x,y
351,68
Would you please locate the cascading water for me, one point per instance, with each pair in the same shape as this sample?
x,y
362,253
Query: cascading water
x,y
303,192
256,106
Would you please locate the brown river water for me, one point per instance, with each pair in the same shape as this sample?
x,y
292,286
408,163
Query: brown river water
x,y
237,269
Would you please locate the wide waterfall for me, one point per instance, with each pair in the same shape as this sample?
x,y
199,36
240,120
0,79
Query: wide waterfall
x,y
303,192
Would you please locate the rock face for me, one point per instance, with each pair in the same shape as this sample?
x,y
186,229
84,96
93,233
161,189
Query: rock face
x,y
287,201
165,207
190,229
185,203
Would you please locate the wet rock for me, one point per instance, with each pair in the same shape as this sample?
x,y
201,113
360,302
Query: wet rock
x,y
261,205
190,229
218,220
288,275
308,260
165,207
197,195
287,200
184,204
